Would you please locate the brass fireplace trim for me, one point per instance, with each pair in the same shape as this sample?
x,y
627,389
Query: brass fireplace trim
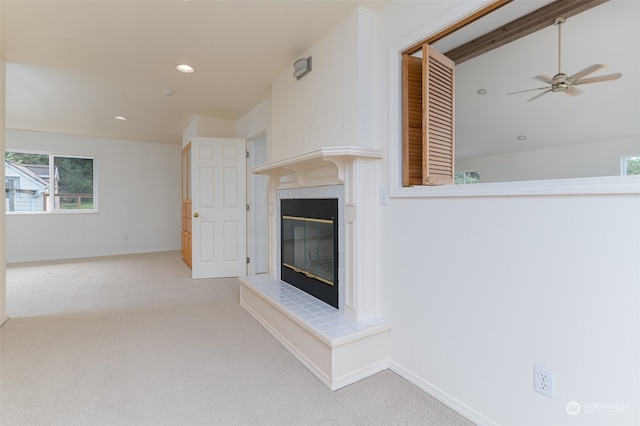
x,y
308,274
308,219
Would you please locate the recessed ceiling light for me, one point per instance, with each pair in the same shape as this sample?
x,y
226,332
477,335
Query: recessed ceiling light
x,y
521,137
121,117
187,69
481,91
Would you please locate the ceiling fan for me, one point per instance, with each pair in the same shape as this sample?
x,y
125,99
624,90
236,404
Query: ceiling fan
x,y
562,82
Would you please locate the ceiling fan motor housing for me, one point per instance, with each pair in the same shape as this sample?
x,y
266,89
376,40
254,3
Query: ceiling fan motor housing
x,y
560,82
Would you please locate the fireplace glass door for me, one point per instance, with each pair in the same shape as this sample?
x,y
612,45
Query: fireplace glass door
x,y
309,247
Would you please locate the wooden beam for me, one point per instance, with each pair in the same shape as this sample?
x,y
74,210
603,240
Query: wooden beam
x,y
458,25
528,24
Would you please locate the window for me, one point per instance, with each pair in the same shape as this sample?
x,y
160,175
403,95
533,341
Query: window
x,y
476,147
427,103
631,165
37,182
467,177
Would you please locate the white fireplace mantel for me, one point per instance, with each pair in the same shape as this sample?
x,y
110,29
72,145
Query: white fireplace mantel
x,y
363,351
311,168
358,170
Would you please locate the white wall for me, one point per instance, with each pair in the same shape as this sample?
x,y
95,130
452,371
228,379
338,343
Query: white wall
x,y
256,121
209,127
601,158
3,275
332,105
138,197
477,289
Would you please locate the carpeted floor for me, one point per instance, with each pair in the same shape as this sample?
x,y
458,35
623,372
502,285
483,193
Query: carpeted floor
x,y
132,340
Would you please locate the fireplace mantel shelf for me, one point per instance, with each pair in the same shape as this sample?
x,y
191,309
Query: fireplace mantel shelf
x,y
340,156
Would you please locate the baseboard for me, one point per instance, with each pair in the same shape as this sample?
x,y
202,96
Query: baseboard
x,y
76,258
311,366
441,396
359,375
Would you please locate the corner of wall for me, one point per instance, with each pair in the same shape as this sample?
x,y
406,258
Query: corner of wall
x,y
215,127
256,121
190,131
3,267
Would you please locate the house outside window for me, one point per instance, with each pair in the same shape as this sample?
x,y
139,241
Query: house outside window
x,y
48,183
12,184
12,190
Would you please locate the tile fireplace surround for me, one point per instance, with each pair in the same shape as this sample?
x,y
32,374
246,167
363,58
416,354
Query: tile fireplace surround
x,y
339,346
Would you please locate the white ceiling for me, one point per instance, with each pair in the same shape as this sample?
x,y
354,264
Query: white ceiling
x,y
73,65
490,124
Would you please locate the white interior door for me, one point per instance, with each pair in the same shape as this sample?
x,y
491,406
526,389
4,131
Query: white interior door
x,y
219,223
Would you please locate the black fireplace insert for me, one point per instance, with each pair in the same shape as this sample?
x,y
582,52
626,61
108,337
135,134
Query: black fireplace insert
x,y
309,246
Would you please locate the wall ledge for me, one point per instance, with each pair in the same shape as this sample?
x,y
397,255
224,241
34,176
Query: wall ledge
x,y
607,185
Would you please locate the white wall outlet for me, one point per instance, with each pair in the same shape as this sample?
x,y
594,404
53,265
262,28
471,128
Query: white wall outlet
x,y
543,380
384,196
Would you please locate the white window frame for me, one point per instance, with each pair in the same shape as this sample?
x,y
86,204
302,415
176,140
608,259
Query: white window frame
x,y
572,186
51,188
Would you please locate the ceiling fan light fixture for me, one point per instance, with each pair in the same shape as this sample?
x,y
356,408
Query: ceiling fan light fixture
x,y
184,68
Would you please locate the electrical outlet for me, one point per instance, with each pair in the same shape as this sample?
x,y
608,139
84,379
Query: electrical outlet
x,y
543,380
384,196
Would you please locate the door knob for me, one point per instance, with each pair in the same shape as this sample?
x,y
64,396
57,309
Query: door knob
x,y
196,215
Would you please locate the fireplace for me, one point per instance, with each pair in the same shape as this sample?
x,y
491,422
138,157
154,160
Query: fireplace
x,y
343,345
309,246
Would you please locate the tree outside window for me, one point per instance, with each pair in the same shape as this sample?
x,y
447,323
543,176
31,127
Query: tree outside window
x,y
466,177
631,166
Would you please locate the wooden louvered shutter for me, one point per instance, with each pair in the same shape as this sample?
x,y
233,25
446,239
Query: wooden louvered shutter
x,y
428,109
412,120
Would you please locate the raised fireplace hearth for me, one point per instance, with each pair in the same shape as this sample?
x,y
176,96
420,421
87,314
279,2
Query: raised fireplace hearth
x,y
344,338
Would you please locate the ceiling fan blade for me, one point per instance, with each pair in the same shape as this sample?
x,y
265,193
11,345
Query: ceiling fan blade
x,y
537,96
572,91
529,90
543,78
586,71
600,78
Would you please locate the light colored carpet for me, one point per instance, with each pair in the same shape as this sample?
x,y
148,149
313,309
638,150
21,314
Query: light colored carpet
x,y
132,340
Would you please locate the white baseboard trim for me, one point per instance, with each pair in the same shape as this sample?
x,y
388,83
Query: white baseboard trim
x,y
441,396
